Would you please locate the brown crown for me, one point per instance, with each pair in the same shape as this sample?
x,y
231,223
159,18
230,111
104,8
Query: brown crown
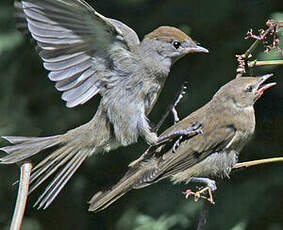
x,y
166,33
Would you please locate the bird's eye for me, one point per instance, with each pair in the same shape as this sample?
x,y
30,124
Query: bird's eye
x,y
176,44
249,88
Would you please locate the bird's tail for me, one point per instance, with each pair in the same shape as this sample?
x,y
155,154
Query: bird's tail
x,y
65,159
103,199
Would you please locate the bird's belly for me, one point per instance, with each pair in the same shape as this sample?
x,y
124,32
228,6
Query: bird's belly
x,y
215,165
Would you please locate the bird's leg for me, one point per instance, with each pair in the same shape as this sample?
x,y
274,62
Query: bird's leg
x,y
181,94
172,107
210,187
175,115
192,130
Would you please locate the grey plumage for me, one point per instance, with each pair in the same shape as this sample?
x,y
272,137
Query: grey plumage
x,y
88,54
228,122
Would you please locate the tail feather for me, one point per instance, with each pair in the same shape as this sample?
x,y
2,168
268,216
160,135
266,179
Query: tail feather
x,y
26,147
66,158
102,200
58,154
19,139
45,168
62,177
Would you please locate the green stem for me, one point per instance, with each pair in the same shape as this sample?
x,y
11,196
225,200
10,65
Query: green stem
x,y
252,48
265,63
258,162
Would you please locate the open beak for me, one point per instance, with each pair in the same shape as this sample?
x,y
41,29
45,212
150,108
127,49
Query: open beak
x,y
262,87
197,49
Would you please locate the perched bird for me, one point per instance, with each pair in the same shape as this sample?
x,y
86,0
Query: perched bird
x,y
228,122
88,54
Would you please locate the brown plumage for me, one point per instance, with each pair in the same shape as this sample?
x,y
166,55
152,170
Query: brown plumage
x,y
228,122
165,32
88,54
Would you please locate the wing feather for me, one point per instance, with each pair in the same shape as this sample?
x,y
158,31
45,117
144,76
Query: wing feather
x,y
190,152
66,64
74,42
69,72
72,82
74,93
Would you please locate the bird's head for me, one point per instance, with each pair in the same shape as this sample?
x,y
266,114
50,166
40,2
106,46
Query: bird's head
x,y
170,43
244,91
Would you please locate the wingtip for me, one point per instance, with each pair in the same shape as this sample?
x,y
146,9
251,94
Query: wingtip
x,y
93,207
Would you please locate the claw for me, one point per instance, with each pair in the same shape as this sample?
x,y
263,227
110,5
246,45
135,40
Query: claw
x,y
198,195
210,187
177,144
192,130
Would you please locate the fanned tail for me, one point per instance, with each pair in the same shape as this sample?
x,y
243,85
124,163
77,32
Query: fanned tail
x,y
26,147
65,159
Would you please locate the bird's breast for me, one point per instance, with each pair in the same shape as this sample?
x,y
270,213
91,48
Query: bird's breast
x,y
218,164
151,95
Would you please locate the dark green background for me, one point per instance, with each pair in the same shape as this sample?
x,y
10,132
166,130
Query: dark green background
x,y
30,106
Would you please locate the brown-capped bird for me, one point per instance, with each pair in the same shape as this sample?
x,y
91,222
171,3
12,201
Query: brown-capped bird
x,y
228,121
88,54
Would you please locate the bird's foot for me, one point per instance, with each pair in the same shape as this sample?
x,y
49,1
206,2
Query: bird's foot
x,y
177,144
192,130
201,194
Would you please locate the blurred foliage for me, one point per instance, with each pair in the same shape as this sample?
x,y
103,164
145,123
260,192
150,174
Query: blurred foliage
x,y
181,217
30,106
28,224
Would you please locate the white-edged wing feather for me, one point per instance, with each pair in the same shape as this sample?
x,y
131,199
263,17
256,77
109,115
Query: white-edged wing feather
x,y
75,43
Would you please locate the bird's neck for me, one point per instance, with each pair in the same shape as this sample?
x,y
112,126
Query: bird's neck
x,y
155,64
242,117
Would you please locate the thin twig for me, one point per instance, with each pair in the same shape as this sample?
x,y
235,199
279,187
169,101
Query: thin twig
x,y
19,210
203,218
264,63
251,48
273,28
257,162
242,59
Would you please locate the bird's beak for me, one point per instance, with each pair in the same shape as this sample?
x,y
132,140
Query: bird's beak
x,y
261,86
197,49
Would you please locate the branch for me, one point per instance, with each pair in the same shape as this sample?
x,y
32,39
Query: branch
x,y
257,162
269,39
205,209
19,210
264,63
271,31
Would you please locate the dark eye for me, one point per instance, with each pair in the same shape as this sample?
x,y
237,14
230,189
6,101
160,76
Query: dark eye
x,y
176,44
249,88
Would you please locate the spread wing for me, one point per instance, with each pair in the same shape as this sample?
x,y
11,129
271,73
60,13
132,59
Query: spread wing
x,y
76,45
